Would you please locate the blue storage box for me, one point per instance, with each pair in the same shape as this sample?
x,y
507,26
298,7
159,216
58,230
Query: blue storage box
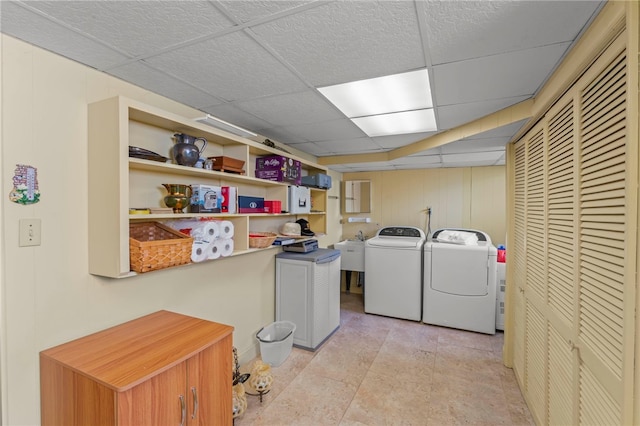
x,y
319,180
250,204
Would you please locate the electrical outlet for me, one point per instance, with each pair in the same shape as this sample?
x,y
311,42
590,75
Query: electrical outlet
x,y
29,232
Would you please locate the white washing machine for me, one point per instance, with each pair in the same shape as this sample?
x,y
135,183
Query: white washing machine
x,y
460,280
393,267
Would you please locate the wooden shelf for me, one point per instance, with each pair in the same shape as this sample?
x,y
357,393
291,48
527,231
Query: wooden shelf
x,y
175,169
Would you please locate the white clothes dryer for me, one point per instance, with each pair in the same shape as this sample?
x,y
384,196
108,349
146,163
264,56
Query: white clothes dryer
x,y
460,280
393,267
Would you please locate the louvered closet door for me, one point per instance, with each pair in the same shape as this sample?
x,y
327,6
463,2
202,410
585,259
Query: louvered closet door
x,y
605,321
536,265
562,262
573,266
517,259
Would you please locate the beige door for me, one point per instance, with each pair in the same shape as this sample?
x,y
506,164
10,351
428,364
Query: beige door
x,y
573,265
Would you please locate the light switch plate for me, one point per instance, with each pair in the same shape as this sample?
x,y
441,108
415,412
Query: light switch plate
x,y
29,232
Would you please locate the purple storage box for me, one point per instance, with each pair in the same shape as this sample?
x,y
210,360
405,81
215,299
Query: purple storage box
x,y
279,168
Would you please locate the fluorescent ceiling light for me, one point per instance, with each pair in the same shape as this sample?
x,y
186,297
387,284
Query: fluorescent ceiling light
x,y
408,92
392,93
221,124
423,120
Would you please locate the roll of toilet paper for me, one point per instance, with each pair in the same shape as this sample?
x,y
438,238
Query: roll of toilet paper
x,y
200,251
226,229
206,231
215,249
227,247
199,230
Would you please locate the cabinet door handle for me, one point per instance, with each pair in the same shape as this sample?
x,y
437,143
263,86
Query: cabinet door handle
x,y
195,402
183,410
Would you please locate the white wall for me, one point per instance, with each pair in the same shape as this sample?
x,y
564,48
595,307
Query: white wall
x,y
48,296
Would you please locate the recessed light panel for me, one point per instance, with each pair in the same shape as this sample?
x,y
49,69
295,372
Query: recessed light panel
x,y
362,100
397,123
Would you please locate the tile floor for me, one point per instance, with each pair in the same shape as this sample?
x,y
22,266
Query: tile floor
x,y
383,371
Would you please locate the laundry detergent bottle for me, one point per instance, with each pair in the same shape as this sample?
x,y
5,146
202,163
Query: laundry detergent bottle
x,y
502,254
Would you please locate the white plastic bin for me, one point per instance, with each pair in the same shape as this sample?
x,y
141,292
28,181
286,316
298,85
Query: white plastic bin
x,y
276,341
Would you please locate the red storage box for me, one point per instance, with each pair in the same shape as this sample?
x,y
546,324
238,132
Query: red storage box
x,y
272,206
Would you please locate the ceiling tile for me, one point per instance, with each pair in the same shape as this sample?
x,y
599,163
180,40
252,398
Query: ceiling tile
x,y
327,130
345,41
509,130
138,27
245,11
417,160
472,157
228,112
502,76
475,164
364,167
350,146
314,148
301,107
476,145
396,141
450,116
432,151
282,135
156,81
20,23
341,168
459,30
418,166
214,66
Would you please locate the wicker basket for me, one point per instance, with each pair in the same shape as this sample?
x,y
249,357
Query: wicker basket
x,y
153,246
261,239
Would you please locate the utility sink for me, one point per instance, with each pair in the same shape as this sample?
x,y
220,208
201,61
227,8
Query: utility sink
x,y
351,255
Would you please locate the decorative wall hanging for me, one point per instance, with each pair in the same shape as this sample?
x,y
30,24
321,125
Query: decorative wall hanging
x,y
25,185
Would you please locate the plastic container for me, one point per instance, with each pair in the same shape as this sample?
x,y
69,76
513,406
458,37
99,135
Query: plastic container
x,y
502,254
276,341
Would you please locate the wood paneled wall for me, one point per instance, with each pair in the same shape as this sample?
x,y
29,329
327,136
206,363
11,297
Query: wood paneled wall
x,y
472,197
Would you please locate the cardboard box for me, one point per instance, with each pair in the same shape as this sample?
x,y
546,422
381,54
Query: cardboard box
x,y
250,204
205,199
229,202
299,199
279,168
272,206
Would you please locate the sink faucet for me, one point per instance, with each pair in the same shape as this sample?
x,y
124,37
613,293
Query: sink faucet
x,y
360,236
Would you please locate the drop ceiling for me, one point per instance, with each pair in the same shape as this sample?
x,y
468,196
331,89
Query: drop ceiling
x,y
259,64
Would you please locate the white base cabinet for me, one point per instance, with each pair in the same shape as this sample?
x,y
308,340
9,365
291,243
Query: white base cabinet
x,y
308,294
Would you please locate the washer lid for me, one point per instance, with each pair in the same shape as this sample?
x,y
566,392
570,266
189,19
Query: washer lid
x,y
483,237
396,242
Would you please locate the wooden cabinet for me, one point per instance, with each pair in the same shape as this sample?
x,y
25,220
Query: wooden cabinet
x,y
118,182
162,369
